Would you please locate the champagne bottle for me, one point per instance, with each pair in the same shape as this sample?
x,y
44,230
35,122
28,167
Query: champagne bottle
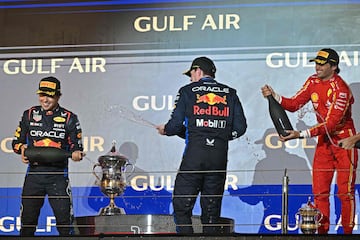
x,y
46,155
279,117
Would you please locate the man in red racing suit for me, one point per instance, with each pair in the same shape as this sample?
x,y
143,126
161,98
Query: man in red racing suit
x,y
47,125
331,98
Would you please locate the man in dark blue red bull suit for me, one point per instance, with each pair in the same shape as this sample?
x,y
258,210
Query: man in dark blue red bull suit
x,y
207,114
47,125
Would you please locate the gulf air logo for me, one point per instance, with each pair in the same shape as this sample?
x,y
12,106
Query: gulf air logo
x,y
211,99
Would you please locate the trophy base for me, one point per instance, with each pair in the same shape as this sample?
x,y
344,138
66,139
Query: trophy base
x,y
143,224
111,211
308,228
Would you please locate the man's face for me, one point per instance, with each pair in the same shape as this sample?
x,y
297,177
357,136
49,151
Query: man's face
x,y
326,71
47,102
196,74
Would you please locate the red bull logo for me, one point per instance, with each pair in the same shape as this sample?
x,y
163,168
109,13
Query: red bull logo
x,y
211,99
47,143
211,111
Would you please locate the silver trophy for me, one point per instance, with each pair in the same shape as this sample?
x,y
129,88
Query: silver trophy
x,y
113,181
310,218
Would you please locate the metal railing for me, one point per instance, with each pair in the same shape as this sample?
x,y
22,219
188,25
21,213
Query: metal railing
x,y
252,196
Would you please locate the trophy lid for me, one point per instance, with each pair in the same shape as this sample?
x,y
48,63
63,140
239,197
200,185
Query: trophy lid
x,y
308,208
113,155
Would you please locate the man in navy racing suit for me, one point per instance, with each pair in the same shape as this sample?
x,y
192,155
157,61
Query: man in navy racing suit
x,y
207,114
47,125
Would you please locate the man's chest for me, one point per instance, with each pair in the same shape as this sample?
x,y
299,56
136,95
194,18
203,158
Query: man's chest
x,y
322,96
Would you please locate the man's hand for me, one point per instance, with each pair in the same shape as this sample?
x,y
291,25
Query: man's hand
x,y
292,135
349,143
77,156
267,91
161,129
23,157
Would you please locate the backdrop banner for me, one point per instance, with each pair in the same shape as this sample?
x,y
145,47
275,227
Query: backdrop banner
x,y
120,64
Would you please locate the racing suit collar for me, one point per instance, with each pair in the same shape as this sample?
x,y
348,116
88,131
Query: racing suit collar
x,y
50,112
207,78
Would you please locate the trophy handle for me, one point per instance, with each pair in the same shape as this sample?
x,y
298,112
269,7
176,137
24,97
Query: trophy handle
x,y
320,217
93,171
131,171
297,218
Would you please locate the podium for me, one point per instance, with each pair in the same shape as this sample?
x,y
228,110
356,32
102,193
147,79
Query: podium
x,y
140,224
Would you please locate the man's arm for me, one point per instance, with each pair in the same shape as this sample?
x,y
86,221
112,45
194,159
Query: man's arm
x,y
19,142
175,126
349,143
75,138
239,122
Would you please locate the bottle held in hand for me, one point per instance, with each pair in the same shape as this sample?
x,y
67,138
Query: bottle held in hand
x,y
46,155
356,145
279,117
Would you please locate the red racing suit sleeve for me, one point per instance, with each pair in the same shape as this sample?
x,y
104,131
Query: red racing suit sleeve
x,y
331,101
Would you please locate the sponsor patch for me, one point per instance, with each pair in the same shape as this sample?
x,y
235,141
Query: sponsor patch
x,y
210,142
343,95
211,99
211,111
36,116
59,119
46,84
210,123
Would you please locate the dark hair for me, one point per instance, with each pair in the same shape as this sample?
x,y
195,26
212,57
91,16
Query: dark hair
x,y
337,70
